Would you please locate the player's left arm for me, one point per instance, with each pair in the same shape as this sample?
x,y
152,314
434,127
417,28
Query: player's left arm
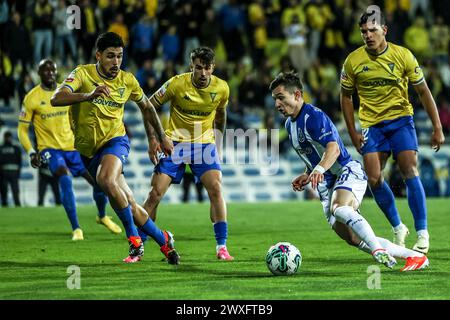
x,y
220,121
437,136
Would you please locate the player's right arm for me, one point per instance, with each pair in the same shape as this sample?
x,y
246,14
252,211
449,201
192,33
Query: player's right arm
x,y
348,111
63,96
25,119
67,94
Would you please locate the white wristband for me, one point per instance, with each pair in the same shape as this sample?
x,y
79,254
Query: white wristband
x,y
319,169
31,152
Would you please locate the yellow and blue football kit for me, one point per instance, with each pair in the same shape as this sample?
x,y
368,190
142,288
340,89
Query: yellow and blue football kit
x,y
191,124
52,126
98,123
381,81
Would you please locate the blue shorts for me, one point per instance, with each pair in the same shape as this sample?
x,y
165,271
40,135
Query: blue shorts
x,y
58,158
200,157
118,146
391,136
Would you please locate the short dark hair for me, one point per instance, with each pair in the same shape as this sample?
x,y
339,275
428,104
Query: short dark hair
x,y
290,80
205,54
376,15
108,40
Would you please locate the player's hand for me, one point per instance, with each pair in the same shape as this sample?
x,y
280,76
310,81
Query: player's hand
x,y
153,148
167,146
101,90
299,183
358,141
437,138
35,160
315,178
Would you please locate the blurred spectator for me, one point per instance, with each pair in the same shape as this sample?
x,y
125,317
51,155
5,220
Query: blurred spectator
x,y
10,165
188,179
6,78
42,30
19,43
170,45
396,182
232,20
146,77
109,11
188,28
24,85
45,179
440,40
209,29
318,14
143,36
118,26
428,177
416,39
298,50
257,31
444,113
65,37
89,29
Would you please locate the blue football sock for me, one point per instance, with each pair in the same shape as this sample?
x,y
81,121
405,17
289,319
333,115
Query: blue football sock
x,y
221,232
151,229
68,199
386,201
417,202
142,234
100,200
126,217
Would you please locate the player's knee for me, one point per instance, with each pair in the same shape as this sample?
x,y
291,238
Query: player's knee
x,y
215,190
106,183
375,180
156,195
409,172
62,171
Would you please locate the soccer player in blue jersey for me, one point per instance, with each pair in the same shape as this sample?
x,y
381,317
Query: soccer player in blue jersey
x,y
198,101
55,144
380,71
98,93
340,180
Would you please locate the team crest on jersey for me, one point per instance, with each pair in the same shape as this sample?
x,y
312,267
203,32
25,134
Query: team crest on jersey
x,y
301,135
121,91
391,66
365,69
213,95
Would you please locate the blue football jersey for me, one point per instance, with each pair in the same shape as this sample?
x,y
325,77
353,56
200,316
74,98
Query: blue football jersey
x,y
309,133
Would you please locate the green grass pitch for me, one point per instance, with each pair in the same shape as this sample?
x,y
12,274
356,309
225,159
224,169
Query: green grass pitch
x,y
36,251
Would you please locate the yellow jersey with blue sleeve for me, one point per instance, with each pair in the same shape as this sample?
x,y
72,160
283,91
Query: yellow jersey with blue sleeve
x,y
51,125
192,109
101,119
381,82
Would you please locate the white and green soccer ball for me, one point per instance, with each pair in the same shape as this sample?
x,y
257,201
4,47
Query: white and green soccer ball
x,y
283,259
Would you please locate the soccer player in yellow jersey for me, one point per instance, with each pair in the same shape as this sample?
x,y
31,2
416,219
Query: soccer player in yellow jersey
x,y
380,71
198,103
55,144
97,93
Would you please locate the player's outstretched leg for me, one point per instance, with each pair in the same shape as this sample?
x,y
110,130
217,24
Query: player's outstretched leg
x,y
414,260
348,216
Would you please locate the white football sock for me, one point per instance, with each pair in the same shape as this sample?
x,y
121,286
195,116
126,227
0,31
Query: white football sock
x,y
348,216
397,251
393,249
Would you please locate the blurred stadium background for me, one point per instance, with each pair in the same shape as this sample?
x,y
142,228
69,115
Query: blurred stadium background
x,y
254,40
